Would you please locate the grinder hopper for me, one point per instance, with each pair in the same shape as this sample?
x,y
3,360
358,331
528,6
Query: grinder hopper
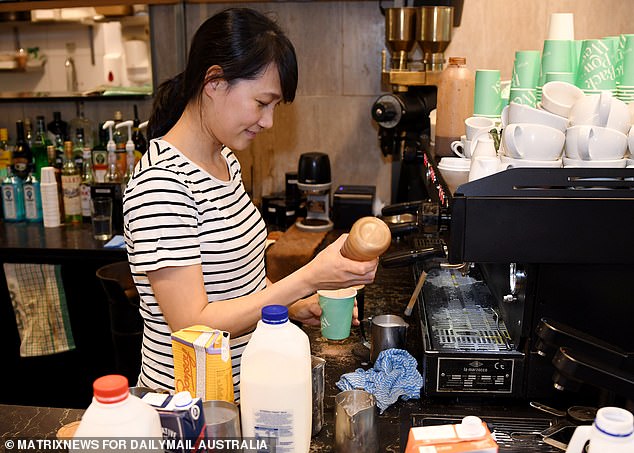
x,y
400,34
433,34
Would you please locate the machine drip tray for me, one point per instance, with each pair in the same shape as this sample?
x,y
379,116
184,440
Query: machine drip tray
x,y
512,434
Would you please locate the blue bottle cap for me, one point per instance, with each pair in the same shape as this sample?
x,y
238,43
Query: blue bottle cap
x,y
275,314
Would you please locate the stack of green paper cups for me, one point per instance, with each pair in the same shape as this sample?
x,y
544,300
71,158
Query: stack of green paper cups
x,y
487,100
596,70
625,88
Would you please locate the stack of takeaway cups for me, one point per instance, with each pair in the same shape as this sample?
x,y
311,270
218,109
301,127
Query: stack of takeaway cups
x,y
625,87
487,101
50,198
525,77
597,135
559,53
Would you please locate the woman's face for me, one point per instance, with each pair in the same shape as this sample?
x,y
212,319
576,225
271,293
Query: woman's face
x,y
239,112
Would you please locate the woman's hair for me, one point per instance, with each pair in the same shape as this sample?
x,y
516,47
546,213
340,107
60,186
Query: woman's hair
x,y
243,43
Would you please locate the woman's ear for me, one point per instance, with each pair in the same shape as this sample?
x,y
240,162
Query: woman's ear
x,y
213,79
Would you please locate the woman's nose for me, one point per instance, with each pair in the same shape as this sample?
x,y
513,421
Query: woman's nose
x,y
266,120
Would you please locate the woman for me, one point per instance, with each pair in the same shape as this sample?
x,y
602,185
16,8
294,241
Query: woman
x,y
195,241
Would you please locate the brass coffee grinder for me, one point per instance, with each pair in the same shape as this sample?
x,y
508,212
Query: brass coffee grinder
x,y
403,114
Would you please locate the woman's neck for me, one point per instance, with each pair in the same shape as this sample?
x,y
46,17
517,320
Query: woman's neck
x,y
198,144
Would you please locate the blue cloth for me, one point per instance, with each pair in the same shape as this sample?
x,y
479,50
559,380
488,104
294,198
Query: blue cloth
x,y
394,375
115,243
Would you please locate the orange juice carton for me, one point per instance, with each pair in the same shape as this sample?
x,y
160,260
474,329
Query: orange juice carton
x,y
202,363
470,436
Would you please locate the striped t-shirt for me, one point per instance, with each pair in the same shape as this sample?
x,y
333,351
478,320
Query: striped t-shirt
x,y
177,214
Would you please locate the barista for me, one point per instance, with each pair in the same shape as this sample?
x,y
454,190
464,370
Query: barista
x,y
195,240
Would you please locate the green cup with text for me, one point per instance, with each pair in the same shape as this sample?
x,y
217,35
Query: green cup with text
x,y
487,97
596,67
526,69
336,312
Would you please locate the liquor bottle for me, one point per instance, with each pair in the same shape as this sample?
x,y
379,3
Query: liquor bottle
x,y
70,187
5,152
119,141
32,199
12,198
81,122
57,166
87,181
40,144
57,128
28,131
78,149
22,158
140,143
100,156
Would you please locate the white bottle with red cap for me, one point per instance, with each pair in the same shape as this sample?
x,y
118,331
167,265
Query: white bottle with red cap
x,y
115,413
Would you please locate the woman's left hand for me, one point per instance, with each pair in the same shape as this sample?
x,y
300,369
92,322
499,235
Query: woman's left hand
x,y
307,311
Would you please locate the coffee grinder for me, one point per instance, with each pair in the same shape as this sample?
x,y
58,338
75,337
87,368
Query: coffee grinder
x,y
403,114
313,179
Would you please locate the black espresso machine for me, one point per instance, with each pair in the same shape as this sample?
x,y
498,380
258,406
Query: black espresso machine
x,y
545,299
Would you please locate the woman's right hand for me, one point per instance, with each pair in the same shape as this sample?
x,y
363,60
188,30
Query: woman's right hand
x,y
331,270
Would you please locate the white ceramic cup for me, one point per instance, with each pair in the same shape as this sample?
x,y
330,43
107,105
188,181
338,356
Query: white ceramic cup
x,y
520,113
630,139
510,162
578,163
483,166
462,147
483,145
603,110
533,141
475,124
454,171
595,143
558,97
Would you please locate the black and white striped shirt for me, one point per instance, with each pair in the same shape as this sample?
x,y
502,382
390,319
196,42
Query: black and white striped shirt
x,y
177,214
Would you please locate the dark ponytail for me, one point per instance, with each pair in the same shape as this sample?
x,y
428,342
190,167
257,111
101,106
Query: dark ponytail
x,y
243,42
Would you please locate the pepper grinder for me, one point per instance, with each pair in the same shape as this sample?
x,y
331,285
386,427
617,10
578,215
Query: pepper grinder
x,y
369,238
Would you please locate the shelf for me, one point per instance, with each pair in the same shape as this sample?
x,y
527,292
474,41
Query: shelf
x,y
31,66
61,96
49,4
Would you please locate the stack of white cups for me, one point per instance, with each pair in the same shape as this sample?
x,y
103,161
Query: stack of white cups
x,y
597,135
50,199
476,144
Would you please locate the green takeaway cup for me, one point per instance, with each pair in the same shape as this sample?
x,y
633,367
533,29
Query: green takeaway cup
x,y
627,63
557,56
596,69
568,77
487,98
526,69
336,312
525,96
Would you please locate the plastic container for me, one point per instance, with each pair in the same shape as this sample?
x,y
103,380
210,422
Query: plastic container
x,y
454,104
276,382
115,413
369,238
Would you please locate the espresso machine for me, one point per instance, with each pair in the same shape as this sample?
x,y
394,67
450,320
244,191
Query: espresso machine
x,y
403,114
542,306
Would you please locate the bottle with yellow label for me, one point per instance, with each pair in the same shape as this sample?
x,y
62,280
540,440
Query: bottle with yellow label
x,y
71,179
